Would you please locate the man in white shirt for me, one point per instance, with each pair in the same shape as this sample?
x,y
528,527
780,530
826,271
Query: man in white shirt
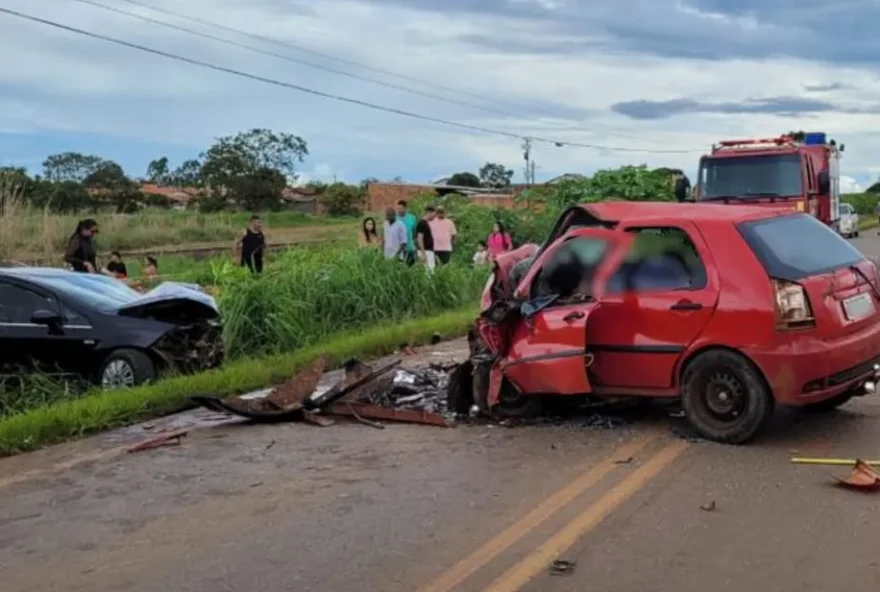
x,y
394,235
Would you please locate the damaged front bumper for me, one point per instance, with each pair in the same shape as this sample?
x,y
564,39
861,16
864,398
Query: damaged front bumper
x,y
192,348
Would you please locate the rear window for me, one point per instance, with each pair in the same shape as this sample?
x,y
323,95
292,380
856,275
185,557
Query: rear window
x,y
795,247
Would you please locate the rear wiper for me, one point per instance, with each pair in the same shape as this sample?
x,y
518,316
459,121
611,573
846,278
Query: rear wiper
x,y
724,198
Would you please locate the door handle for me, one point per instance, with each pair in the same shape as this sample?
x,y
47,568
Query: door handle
x,y
686,305
573,316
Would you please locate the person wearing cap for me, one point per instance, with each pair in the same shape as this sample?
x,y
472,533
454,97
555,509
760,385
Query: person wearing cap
x,y
443,230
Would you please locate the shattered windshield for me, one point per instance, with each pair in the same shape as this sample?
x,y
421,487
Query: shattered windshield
x,y
754,176
102,292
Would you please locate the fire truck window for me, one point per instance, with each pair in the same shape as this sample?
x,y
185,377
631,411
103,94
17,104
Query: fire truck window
x,y
752,176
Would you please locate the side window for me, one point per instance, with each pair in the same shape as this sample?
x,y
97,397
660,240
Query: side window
x,y
811,175
72,317
661,259
18,305
569,272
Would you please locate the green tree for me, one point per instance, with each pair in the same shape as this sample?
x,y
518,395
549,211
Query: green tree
x,y
339,199
106,175
247,152
70,166
158,171
464,179
875,188
495,175
188,174
261,189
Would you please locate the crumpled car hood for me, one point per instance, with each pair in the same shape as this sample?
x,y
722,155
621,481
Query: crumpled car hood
x,y
174,302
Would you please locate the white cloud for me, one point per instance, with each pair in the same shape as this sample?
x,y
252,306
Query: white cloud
x,y
850,185
63,82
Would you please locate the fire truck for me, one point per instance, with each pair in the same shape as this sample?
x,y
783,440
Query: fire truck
x,y
801,172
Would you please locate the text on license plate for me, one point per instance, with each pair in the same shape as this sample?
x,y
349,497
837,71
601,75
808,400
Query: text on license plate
x,y
858,307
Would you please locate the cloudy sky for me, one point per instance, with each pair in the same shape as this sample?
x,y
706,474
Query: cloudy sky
x,y
629,78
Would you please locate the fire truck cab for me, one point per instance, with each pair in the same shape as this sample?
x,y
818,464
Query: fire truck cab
x,y
801,173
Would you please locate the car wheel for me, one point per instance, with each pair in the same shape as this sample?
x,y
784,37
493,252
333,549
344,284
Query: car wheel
x,y
460,391
828,404
724,397
511,404
126,368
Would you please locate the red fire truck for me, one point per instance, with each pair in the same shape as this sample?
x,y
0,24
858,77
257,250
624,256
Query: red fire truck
x,y
797,172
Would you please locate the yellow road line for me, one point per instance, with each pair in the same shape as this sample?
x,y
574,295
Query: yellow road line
x,y
519,575
491,549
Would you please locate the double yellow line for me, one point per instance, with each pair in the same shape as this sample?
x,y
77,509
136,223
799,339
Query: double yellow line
x,y
538,560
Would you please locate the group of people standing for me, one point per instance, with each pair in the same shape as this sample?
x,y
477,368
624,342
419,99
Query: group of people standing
x,y
82,256
429,240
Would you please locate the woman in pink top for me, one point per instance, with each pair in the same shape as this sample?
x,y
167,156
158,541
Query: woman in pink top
x,y
498,241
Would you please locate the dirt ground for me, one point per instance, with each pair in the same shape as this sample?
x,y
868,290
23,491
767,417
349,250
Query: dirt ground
x,y
631,503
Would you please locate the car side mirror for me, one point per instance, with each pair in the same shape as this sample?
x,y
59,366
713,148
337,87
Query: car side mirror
x,y
46,318
823,182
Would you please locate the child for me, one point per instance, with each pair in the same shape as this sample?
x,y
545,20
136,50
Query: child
x,y
481,257
151,267
116,267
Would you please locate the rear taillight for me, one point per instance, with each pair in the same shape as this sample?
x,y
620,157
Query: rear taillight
x,y
793,310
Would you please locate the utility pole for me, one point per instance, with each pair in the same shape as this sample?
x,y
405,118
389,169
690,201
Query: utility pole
x,y
527,156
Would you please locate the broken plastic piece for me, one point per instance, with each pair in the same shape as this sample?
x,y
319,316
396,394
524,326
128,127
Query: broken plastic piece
x,y
561,567
164,439
862,477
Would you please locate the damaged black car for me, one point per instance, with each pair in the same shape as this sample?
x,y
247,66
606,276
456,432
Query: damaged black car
x,y
97,328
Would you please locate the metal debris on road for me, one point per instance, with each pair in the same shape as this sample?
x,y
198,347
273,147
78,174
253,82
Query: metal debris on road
x,y
561,567
163,439
863,477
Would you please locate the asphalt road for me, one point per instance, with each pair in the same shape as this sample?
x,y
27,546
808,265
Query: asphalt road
x,y
347,508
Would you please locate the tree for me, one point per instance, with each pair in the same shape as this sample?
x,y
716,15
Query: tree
x,y
158,171
875,188
464,180
188,174
495,175
339,199
107,175
261,189
247,152
70,166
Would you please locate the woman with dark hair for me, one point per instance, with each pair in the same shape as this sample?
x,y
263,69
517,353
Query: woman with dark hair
x,y
151,267
80,254
368,237
498,241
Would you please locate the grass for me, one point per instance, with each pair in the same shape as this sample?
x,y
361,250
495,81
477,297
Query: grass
x,y
66,420
30,233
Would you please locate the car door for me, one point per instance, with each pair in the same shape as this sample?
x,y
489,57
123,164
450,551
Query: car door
x,y
653,308
547,353
24,343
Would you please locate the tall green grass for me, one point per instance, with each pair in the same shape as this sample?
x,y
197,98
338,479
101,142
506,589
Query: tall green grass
x,y
306,295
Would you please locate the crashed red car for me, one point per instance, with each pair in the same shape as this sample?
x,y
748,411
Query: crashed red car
x,y
731,309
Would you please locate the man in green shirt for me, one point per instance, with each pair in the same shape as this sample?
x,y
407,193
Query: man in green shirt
x,y
409,222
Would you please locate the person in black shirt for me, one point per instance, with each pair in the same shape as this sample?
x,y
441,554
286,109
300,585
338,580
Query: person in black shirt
x,y
425,240
681,185
80,254
252,244
116,267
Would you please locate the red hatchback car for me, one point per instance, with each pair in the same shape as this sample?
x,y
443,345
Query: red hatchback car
x,y
730,308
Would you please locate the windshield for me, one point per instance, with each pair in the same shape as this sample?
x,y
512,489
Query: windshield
x,y
795,247
102,292
755,176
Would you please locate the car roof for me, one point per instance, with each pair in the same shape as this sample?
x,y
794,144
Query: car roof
x,y
647,211
35,272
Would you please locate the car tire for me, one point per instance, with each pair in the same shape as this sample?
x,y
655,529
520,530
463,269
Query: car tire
x,y
725,398
460,390
125,368
828,405
511,404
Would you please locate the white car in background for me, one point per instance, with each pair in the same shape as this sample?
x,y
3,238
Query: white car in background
x,y
849,221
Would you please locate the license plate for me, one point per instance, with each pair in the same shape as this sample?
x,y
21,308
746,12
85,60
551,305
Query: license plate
x,y
858,307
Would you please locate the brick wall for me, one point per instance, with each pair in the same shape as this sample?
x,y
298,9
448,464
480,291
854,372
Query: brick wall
x,y
384,195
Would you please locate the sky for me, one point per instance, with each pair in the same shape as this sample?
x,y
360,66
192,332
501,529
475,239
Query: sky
x,y
651,82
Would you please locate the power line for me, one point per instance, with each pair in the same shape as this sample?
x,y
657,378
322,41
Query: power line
x,y
294,60
318,93
296,47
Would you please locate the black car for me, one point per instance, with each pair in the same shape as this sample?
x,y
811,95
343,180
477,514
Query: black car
x,y
98,328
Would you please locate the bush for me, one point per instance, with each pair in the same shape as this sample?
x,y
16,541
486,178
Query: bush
x,y
865,204
306,295
340,199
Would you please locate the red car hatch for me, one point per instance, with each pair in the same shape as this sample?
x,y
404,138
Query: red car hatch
x,y
545,350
